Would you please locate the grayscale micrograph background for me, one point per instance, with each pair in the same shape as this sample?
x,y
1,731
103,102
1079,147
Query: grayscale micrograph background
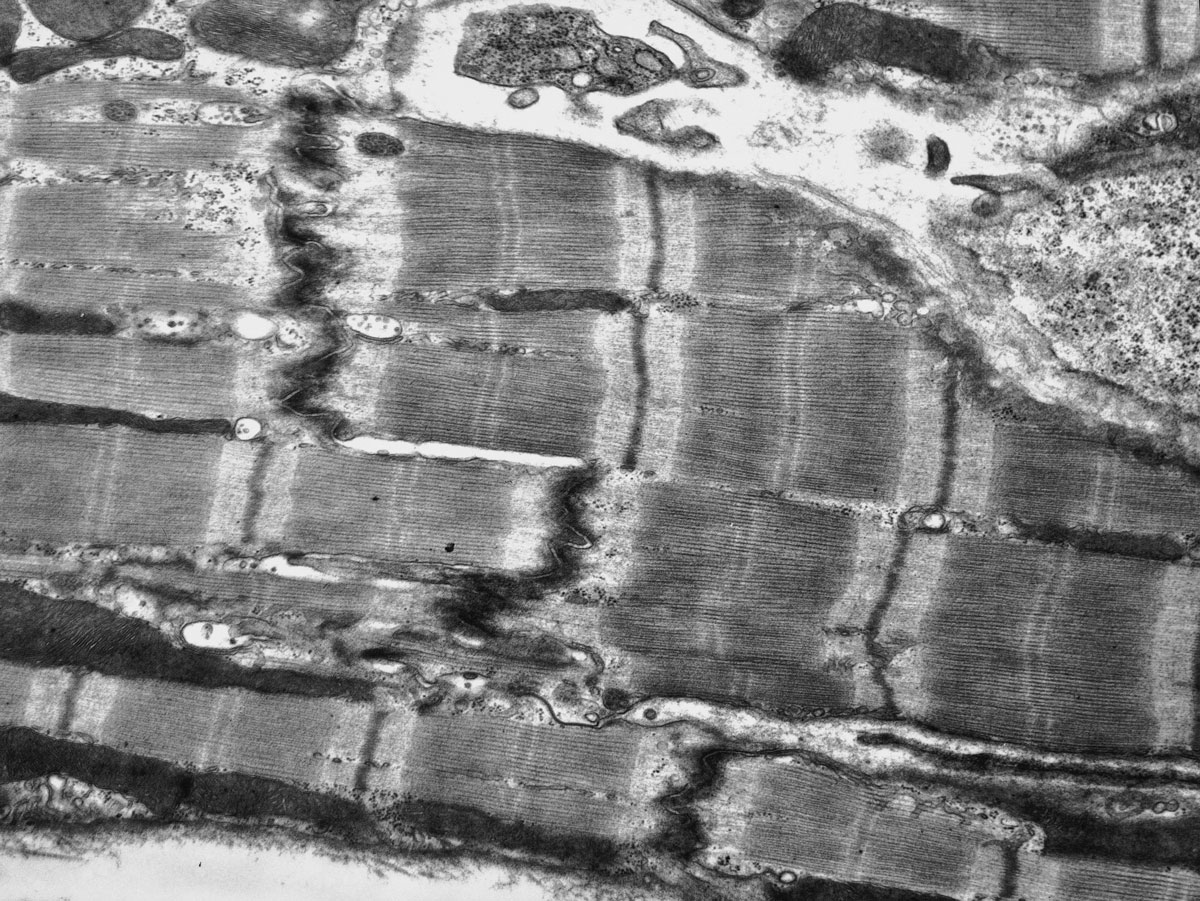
x,y
733,450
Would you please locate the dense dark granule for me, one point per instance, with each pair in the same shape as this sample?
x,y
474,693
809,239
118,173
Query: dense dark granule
x,y
10,28
22,410
477,828
1161,841
845,31
86,20
555,300
1072,828
742,9
1125,544
22,318
33,63
1119,830
541,45
276,32
171,791
44,631
811,888
937,156
376,143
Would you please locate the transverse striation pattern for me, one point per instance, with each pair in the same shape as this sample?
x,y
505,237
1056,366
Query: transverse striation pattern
x,y
442,485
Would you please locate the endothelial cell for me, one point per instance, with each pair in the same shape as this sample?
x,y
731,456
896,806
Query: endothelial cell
x,y
699,70
527,46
